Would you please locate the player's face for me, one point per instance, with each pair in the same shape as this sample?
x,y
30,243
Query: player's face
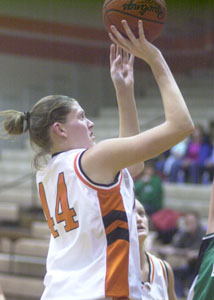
x,y
191,223
79,129
142,221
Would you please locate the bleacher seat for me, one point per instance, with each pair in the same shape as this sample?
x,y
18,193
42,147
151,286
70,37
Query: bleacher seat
x,y
188,197
9,212
40,230
31,247
22,287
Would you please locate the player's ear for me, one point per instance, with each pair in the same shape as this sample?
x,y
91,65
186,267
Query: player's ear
x,y
58,129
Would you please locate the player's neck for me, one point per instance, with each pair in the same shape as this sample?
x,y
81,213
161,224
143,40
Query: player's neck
x,y
143,257
60,147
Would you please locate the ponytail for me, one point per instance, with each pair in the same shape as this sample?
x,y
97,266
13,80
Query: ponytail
x,y
15,122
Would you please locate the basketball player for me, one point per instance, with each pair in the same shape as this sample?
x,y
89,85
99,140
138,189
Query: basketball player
x,y
203,285
85,189
157,279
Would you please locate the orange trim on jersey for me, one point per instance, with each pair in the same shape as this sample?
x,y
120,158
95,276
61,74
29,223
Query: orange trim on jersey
x,y
117,256
153,269
117,265
88,183
110,200
164,272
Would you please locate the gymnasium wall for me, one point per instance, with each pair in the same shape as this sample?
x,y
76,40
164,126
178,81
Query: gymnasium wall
x,y
61,47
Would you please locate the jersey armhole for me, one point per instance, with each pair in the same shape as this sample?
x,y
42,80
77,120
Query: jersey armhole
x,y
85,179
165,272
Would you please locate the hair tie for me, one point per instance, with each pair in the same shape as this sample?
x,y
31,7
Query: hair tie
x,y
27,116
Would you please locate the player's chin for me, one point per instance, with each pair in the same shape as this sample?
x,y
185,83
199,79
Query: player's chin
x,y
93,142
142,233
92,138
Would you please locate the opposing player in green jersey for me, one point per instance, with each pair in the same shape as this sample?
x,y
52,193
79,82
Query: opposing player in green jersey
x,y
203,285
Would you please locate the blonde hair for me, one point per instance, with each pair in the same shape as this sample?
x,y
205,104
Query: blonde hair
x,y
44,113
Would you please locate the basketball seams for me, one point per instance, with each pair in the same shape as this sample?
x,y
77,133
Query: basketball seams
x,y
130,15
151,12
107,3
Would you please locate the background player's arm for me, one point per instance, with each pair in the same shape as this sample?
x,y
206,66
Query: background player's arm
x,y
171,282
122,74
210,227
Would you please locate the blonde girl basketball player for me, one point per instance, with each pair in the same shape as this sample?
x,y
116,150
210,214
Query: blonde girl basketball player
x,y
86,190
157,279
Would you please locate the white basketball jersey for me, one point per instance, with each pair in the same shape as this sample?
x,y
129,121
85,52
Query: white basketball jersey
x,y
93,251
157,287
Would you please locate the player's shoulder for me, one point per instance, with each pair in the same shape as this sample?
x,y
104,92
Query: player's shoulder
x,y
209,237
207,242
155,260
66,156
69,153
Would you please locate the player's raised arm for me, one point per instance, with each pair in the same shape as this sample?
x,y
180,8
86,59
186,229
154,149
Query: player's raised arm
x,y
116,154
122,74
210,227
176,111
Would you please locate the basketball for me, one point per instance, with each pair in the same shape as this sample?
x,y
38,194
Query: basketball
x,y
151,12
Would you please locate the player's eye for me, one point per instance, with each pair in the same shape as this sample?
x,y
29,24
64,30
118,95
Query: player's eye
x,y
82,116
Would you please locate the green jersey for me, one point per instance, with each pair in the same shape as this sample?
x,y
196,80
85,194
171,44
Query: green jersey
x,y
203,285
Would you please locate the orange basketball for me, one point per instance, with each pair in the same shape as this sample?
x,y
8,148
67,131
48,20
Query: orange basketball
x,y
151,12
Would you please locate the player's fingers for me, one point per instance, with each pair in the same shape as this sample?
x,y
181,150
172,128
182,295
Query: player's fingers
x,y
112,53
118,60
125,57
114,40
119,51
141,30
112,37
115,56
131,60
128,31
119,36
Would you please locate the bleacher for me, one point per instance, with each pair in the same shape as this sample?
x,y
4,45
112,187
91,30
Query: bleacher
x,y
24,234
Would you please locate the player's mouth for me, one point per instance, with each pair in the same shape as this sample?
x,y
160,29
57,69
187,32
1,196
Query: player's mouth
x,y
92,135
141,228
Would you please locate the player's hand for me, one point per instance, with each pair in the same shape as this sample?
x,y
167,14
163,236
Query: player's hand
x,y
139,47
121,64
